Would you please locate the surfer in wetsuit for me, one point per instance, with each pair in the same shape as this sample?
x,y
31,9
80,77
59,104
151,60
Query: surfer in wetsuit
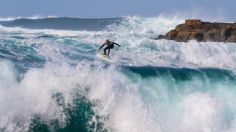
x,y
110,45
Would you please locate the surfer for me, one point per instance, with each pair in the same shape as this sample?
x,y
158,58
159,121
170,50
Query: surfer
x,y
110,45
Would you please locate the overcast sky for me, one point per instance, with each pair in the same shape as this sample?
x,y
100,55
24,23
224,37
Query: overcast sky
x,y
116,8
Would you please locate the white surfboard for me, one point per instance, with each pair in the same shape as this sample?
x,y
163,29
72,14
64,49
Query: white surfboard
x,y
105,58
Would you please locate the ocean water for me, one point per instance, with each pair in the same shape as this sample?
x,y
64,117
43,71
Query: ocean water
x,y
52,81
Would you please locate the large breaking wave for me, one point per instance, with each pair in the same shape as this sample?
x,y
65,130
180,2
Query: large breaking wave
x,y
51,79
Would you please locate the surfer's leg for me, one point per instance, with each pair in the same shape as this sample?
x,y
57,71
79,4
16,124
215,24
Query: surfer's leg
x,y
105,53
108,52
109,47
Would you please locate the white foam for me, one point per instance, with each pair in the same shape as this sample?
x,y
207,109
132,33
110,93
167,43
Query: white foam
x,y
140,105
34,17
21,100
133,34
7,74
33,95
202,112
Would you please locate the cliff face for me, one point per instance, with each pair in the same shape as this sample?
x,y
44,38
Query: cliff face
x,y
202,31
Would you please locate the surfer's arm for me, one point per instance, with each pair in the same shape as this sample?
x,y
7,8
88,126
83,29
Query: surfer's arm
x,y
116,44
101,47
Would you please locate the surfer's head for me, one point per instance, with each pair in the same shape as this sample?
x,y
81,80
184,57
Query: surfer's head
x,y
107,41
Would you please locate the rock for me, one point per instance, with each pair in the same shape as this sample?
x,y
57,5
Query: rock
x,y
183,36
202,32
161,37
211,35
232,37
193,22
171,35
197,36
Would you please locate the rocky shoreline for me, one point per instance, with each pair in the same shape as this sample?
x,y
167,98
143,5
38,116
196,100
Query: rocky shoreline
x,y
194,29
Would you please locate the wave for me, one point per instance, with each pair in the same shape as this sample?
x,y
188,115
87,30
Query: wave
x,y
64,97
62,23
183,74
20,17
51,79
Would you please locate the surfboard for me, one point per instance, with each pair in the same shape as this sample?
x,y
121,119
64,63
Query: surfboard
x,y
104,57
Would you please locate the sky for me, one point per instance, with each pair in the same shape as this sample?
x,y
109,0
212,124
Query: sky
x,y
116,8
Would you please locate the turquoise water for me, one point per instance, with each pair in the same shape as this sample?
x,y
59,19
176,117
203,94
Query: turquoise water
x,y
51,79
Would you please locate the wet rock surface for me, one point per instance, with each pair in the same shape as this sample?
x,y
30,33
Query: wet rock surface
x,y
194,29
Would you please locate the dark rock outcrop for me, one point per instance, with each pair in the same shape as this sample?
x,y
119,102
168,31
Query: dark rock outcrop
x,y
202,32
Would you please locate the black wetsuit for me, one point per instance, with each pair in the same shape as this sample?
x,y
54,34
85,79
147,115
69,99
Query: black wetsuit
x,y
110,45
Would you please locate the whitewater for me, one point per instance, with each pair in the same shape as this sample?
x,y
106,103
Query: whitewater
x,y
51,79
